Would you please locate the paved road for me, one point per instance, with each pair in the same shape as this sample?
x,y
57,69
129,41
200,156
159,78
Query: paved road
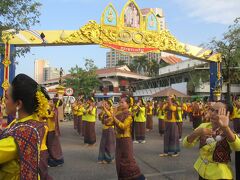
x,y
81,161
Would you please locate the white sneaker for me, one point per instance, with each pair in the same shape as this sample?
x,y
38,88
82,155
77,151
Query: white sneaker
x,y
180,139
143,142
135,142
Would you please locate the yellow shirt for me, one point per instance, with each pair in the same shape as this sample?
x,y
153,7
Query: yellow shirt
x,y
205,166
9,163
51,122
150,110
75,110
141,115
124,127
44,140
161,113
80,110
91,116
109,114
172,108
180,112
236,113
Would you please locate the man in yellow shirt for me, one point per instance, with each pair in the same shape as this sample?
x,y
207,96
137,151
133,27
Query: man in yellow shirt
x,y
216,142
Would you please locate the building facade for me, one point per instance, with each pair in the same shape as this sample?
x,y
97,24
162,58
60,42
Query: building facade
x,y
39,66
50,73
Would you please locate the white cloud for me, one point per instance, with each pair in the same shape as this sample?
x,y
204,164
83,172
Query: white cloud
x,y
213,11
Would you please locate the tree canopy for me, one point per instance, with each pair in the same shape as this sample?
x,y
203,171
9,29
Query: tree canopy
x,y
18,15
83,80
229,47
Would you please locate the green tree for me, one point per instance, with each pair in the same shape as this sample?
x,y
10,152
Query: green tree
x,y
121,63
18,15
196,79
229,47
139,64
153,68
83,80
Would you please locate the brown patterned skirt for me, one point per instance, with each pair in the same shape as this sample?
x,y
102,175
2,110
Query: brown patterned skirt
x,y
127,168
89,134
171,138
43,166
79,124
75,122
161,126
149,124
140,130
54,146
180,126
107,145
83,127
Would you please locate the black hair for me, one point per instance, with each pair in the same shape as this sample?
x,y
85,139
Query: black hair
x,y
24,88
127,99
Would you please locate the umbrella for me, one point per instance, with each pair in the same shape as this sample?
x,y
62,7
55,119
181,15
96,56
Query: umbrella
x,y
168,92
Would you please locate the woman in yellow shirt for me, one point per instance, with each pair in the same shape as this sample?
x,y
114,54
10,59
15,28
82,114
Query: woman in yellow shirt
x,y
171,134
107,143
53,140
216,142
127,168
139,121
20,142
79,116
149,109
160,115
90,113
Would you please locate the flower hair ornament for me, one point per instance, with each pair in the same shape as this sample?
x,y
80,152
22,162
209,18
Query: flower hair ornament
x,y
43,105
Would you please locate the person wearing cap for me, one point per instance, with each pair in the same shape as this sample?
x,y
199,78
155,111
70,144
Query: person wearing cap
x,y
140,121
90,113
171,134
149,109
107,143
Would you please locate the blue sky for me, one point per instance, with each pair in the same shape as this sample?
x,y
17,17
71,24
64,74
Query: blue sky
x,y
190,21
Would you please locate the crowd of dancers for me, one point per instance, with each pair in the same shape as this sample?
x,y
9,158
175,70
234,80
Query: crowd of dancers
x,y
30,143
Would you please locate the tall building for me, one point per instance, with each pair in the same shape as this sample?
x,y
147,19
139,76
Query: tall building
x,y
50,73
39,66
114,56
